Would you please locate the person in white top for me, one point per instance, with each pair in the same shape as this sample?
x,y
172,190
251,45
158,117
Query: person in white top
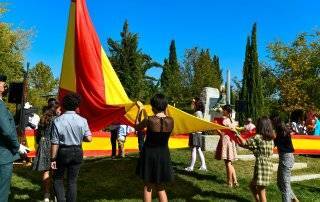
x,y
195,139
249,126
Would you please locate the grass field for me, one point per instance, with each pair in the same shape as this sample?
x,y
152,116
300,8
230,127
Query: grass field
x,y
103,179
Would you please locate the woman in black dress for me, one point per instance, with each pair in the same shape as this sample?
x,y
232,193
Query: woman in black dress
x,y
154,166
42,161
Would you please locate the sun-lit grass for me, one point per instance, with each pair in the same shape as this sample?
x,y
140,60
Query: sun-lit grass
x,y
103,179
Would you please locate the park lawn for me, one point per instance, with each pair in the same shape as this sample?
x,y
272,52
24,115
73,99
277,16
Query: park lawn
x,y
103,179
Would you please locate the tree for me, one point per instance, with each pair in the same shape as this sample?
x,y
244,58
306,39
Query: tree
x,y
297,71
251,91
257,97
41,84
203,74
217,72
131,64
171,76
12,45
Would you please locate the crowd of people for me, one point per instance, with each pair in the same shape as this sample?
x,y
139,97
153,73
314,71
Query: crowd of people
x,y
61,131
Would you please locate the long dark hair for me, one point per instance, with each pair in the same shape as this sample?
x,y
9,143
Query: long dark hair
x,y
264,128
279,126
198,105
49,114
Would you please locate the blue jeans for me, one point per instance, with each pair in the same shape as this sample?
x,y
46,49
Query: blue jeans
x,y
5,181
286,162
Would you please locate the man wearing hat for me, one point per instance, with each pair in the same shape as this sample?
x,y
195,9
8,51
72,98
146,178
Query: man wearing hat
x,y
9,145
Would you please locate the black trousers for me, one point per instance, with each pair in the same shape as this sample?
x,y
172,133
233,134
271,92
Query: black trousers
x,y
113,139
68,159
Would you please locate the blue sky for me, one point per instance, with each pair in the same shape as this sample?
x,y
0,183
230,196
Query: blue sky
x,y
221,26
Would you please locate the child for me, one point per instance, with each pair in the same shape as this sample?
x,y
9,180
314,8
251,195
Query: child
x,y
226,148
285,148
195,139
122,134
261,145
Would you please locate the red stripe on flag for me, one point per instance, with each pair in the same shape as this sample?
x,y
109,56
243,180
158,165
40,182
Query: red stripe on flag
x,y
89,75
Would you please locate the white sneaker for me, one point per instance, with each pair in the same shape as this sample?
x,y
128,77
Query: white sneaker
x,y
189,169
203,168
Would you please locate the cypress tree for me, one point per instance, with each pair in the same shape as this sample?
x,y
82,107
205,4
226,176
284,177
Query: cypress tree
x,y
171,76
217,72
257,97
244,96
251,90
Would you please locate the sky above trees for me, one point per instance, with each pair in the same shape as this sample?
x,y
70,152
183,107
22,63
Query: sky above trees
x,y
221,26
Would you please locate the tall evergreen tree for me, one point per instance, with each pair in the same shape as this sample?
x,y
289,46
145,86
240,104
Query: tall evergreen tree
x,y
257,97
171,76
203,74
131,64
244,95
217,72
251,91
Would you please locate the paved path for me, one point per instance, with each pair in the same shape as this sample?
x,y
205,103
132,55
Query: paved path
x,y
299,178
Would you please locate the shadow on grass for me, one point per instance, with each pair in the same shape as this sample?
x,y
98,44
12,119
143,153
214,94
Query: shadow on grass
x,y
103,179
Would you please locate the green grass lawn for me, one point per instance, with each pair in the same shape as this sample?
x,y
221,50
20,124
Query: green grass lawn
x,y
103,179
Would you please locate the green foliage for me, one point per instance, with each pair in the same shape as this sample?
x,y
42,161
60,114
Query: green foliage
x,y
131,65
12,45
297,71
41,85
217,72
251,90
171,77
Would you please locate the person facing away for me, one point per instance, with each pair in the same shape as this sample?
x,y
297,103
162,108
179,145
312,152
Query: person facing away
x,y
68,133
42,161
154,165
285,148
261,145
10,148
195,139
113,128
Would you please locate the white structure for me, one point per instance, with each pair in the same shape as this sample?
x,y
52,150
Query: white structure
x,y
210,98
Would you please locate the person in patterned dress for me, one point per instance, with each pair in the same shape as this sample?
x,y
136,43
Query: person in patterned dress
x,y
261,145
226,149
42,161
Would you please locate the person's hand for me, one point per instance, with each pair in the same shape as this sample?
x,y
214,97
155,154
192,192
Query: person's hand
x,y
23,149
54,165
139,104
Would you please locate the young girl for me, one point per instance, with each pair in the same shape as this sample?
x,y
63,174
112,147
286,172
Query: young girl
x,y
195,139
226,148
261,145
154,166
42,161
285,148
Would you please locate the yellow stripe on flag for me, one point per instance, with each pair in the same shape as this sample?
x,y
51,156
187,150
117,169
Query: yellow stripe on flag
x,y
68,76
114,91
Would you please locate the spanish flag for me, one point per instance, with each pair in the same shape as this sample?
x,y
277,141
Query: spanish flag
x,y
87,70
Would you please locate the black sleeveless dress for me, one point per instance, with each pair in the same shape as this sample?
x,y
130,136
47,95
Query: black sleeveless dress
x,y
154,165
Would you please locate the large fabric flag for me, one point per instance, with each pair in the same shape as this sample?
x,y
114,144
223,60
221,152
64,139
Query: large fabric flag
x,y
87,70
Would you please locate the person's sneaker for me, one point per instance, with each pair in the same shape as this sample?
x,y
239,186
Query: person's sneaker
x,y
189,169
46,197
203,168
